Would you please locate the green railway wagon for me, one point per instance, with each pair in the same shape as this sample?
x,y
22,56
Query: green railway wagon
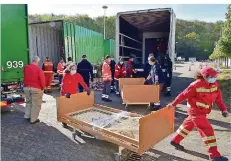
x,y
14,50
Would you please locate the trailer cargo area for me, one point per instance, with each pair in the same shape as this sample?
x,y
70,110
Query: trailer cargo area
x,y
58,39
137,32
46,39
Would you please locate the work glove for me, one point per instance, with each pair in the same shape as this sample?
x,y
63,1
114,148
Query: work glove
x,y
170,105
225,114
88,92
68,95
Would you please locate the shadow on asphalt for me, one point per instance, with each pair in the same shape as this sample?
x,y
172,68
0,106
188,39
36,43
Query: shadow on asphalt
x,y
168,157
44,142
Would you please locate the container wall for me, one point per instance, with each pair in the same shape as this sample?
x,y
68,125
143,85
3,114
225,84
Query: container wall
x,y
109,47
14,42
46,39
83,41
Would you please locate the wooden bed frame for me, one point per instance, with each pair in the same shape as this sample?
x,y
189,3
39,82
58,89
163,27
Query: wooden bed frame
x,y
152,128
133,91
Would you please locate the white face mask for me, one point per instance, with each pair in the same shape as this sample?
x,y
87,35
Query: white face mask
x,y
211,80
121,62
73,72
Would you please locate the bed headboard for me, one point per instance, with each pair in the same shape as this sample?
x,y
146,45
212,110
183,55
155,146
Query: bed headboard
x,y
77,102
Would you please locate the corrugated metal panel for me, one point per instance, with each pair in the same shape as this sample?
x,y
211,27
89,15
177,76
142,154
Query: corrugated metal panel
x,y
46,40
79,41
109,47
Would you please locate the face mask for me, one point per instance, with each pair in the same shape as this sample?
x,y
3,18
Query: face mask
x,y
211,80
112,58
121,62
73,72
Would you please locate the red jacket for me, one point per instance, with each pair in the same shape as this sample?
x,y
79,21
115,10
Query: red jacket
x,y
106,72
200,96
120,71
34,77
71,82
130,68
162,47
154,48
60,68
48,67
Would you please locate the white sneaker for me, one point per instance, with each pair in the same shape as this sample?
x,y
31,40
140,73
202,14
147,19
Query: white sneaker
x,y
117,93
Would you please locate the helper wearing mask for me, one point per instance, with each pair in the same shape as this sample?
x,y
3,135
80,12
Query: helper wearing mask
x,y
70,83
120,72
155,77
200,96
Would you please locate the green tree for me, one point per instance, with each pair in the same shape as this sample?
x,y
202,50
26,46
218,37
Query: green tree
x,y
223,47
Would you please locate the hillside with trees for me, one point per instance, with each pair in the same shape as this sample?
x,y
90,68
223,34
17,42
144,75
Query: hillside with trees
x,y
193,38
223,46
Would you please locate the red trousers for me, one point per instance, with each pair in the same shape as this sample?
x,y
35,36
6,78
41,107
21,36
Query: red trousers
x,y
204,128
48,80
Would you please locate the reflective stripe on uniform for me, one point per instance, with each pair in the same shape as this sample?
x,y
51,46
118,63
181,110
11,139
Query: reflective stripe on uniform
x,y
48,71
206,89
168,88
202,105
211,145
183,129
157,103
209,138
180,133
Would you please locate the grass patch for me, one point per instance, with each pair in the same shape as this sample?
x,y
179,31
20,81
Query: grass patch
x,y
224,80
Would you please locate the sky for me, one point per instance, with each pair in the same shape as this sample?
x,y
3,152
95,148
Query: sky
x,y
201,12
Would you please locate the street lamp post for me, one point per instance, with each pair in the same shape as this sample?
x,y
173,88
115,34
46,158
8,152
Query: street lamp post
x,y
104,28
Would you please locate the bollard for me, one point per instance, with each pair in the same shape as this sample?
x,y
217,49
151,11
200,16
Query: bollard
x,y
189,68
175,67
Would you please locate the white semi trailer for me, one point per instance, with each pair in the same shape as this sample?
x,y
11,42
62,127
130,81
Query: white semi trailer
x,y
138,31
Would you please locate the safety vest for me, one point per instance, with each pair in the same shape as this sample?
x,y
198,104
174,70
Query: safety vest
x,y
60,68
48,67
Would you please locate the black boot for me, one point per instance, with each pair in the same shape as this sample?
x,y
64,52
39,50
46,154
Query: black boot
x,y
220,159
177,146
65,125
107,100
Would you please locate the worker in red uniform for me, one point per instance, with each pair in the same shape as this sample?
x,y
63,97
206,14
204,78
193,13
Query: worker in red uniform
x,y
107,78
60,70
162,48
70,83
34,84
130,67
200,96
48,69
120,72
